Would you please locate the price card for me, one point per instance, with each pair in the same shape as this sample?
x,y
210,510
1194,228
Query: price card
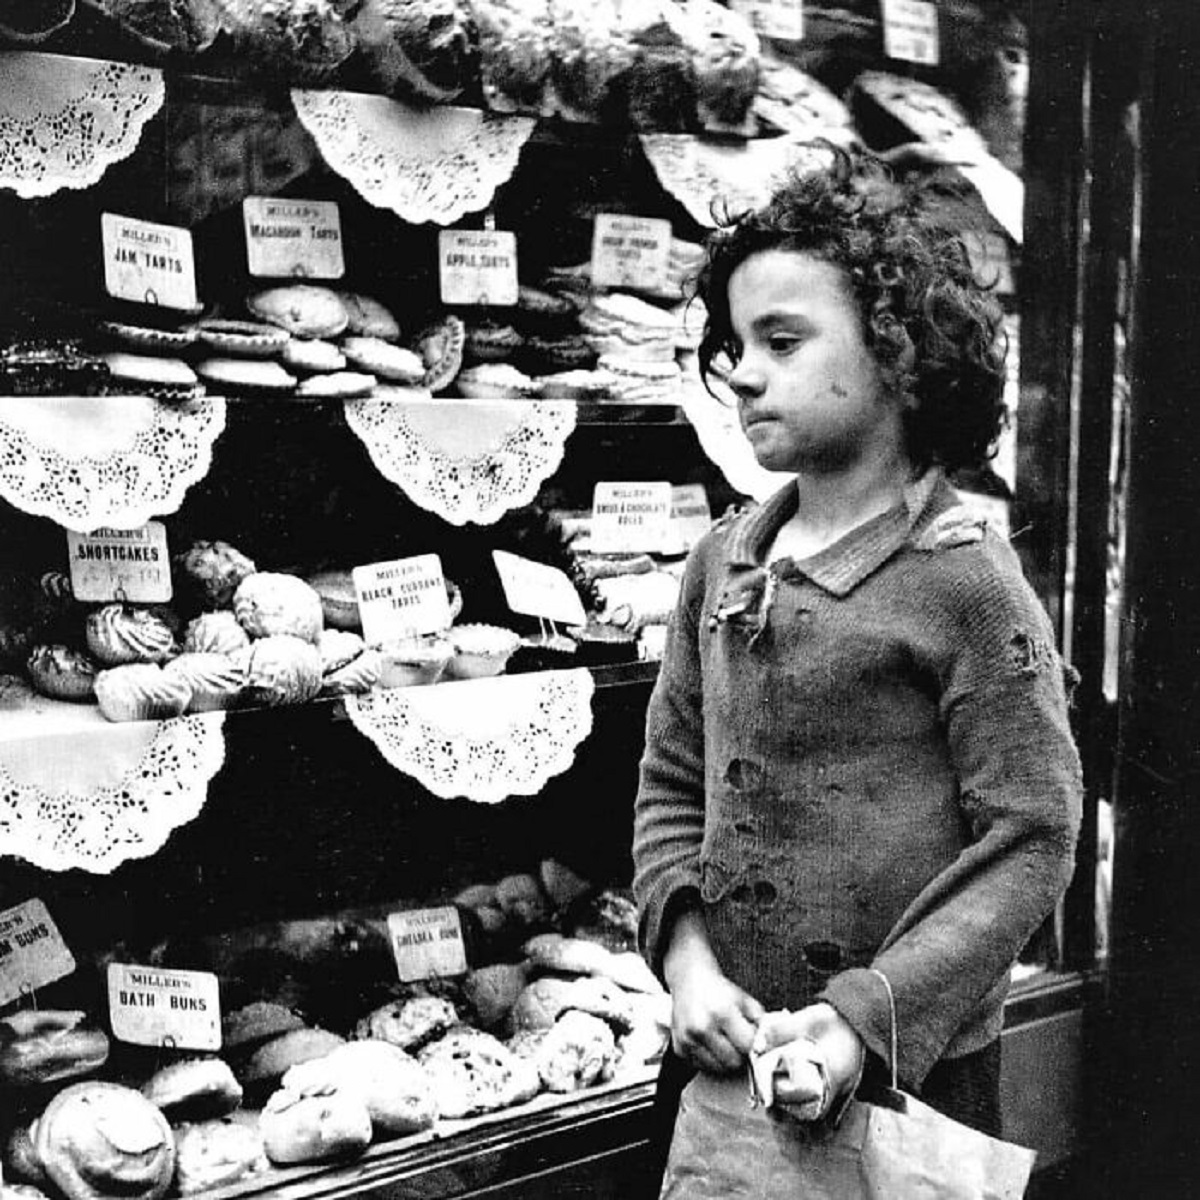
x,y
538,590
298,238
630,251
152,1006
477,266
779,19
910,31
121,564
401,598
32,951
630,517
148,263
690,515
427,943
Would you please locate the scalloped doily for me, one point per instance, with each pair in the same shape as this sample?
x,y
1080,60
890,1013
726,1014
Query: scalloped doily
x,y
465,460
115,461
484,739
83,793
424,164
65,121
734,176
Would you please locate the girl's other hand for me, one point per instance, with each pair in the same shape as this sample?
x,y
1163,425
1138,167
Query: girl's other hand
x,y
712,1020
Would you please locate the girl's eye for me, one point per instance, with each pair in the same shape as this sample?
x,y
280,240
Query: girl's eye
x,y
782,343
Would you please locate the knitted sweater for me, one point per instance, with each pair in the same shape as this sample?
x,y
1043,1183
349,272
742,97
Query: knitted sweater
x,y
862,759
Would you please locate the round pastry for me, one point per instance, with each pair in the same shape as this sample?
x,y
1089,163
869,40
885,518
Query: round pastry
x,y
541,312
336,385
366,317
304,310
62,673
298,41
310,355
297,1128
46,1045
210,573
102,1139
265,1067
562,885
360,675
148,338
242,339
602,645
414,661
479,650
210,1154
190,27
383,359
590,385
29,22
396,1092
409,1024
548,354
420,51
141,692
496,381
577,1051
339,600
117,634
547,998
441,347
514,53
268,603
571,956
215,633
587,55
216,680
150,375
248,376
521,898
492,991
480,899
280,669
194,1089
255,1023
490,342
474,1072
338,647
542,652
610,919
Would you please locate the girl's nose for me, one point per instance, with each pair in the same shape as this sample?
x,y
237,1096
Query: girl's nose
x,y
745,380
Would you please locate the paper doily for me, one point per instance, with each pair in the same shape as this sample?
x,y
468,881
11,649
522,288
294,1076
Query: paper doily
x,y
703,175
90,795
65,121
483,739
116,461
424,164
465,460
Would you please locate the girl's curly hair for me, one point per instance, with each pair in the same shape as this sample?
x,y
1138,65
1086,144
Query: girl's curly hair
x,y
933,327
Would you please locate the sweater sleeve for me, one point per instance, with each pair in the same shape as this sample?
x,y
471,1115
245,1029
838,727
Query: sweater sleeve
x,y
669,810
1004,710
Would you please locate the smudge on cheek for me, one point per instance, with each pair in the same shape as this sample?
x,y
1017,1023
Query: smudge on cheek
x,y
839,391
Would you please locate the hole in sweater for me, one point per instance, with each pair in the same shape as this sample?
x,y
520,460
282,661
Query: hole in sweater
x,y
1029,654
744,775
825,957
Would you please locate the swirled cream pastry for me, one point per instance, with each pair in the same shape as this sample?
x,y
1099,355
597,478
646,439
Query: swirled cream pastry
x,y
217,680
214,633
118,634
280,669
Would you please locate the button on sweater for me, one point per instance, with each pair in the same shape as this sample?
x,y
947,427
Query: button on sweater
x,y
862,759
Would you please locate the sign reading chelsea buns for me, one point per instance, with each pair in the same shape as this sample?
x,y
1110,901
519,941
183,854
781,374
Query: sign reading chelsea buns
x,y
153,1006
293,238
120,564
148,263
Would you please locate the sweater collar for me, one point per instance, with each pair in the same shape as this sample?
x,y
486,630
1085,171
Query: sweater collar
x,y
839,568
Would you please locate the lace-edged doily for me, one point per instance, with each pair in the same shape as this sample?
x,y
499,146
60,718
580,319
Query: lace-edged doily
x,y
483,739
65,121
424,164
95,795
465,460
117,461
707,176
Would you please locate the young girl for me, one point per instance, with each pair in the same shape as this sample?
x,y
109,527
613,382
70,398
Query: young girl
x,y
858,758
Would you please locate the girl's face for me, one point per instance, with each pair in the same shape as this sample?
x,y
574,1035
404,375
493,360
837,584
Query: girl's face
x,y
810,394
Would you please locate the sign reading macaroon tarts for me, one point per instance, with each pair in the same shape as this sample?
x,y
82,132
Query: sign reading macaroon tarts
x,y
631,517
32,951
630,251
120,564
287,238
477,266
401,598
148,263
153,1006
427,943
910,31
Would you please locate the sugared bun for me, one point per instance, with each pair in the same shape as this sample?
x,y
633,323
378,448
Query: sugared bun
x,y
265,1067
117,635
270,603
214,633
298,1128
209,1154
141,692
211,572
193,1089
216,680
280,670
102,1139
62,673
257,1022
46,1046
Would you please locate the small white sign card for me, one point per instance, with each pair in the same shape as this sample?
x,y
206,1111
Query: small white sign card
x,y
910,31
293,238
629,251
538,590
691,517
630,517
779,19
477,266
401,598
121,564
32,951
427,943
148,263
153,1006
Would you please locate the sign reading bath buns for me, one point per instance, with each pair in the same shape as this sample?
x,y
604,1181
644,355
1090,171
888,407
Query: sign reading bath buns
x,y
631,517
427,943
910,31
153,1006
293,238
32,951
538,590
630,251
121,564
780,19
401,598
148,263
477,266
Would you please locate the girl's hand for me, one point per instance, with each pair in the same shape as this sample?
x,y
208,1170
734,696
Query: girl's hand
x,y
712,1019
806,1061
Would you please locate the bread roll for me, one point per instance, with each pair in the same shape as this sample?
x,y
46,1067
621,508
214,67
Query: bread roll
x,y
194,1089
46,1046
210,1154
298,1128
